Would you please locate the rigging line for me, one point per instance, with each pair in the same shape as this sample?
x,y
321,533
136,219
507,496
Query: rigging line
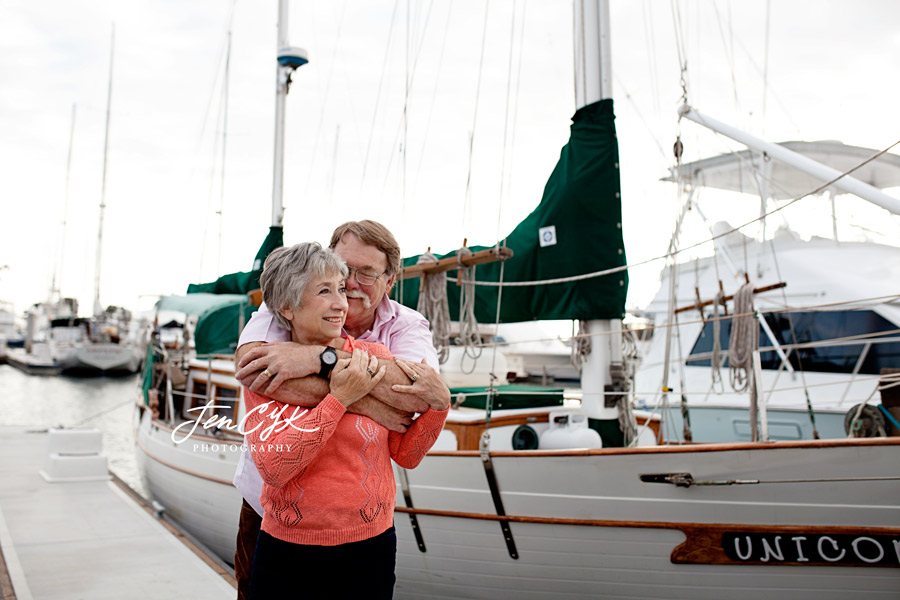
x,y
209,199
402,125
834,341
515,118
405,120
99,414
640,115
384,63
206,118
411,78
651,56
512,39
748,56
468,196
791,388
766,62
679,46
729,51
673,253
795,341
433,96
212,89
418,52
489,402
321,120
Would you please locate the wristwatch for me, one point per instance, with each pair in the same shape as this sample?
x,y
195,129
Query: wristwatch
x,y
327,359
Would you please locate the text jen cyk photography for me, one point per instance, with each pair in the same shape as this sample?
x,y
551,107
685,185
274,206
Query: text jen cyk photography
x,y
208,419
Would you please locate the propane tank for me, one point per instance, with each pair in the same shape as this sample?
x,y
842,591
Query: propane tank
x,y
569,430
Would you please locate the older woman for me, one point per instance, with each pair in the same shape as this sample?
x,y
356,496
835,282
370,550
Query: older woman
x,y
329,486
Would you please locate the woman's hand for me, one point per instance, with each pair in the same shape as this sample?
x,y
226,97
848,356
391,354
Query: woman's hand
x,y
427,384
354,377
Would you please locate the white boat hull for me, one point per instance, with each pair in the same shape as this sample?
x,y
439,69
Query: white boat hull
x,y
100,357
584,525
193,481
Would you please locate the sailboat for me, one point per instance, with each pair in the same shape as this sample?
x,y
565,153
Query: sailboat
x,y
57,339
572,496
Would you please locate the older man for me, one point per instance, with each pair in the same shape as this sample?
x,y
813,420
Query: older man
x,y
298,374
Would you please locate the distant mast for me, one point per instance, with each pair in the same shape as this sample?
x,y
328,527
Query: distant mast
x,y
98,308
289,59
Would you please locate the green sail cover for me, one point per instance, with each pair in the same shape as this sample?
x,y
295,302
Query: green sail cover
x,y
242,282
222,317
219,328
582,202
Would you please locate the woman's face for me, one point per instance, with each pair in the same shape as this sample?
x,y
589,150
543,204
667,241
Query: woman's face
x,y
321,313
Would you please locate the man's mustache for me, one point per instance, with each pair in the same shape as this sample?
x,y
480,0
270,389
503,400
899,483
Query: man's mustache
x,y
360,295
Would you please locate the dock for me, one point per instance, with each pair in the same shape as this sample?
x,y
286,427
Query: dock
x,y
90,539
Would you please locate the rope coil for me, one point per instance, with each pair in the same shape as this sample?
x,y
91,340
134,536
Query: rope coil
x,y
744,340
433,306
469,334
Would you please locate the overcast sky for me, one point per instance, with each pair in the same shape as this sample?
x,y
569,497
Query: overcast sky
x,y
830,70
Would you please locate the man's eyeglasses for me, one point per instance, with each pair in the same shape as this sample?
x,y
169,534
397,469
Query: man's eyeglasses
x,y
365,277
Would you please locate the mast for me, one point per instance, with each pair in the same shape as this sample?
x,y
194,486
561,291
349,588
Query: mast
x,y
281,90
289,59
58,267
593,82
98,308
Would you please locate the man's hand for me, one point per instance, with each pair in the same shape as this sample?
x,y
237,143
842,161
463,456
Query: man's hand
x,y
427,384
390,418
265,367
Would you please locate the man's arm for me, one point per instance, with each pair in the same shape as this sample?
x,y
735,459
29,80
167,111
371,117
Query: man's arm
x,y
294,364
290,366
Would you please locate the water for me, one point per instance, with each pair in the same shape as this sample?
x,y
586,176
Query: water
x,y
104,403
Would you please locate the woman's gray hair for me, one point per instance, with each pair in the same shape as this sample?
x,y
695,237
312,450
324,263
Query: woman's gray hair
x,y
288,271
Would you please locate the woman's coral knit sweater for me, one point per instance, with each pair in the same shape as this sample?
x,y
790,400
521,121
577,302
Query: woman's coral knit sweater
x,y
327,476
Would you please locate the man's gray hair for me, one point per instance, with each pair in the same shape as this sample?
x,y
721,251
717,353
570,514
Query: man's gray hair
x,y
288,271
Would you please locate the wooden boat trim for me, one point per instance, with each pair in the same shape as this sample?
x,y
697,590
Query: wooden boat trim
x,y
704,541
703,447
453,262
468,433
197,369
182,469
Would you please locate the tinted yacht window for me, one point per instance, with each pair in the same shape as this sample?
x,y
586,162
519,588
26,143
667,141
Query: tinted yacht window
x,y
814,327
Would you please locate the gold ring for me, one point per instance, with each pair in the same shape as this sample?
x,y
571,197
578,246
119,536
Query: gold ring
x,y
266,373
414,377
370,372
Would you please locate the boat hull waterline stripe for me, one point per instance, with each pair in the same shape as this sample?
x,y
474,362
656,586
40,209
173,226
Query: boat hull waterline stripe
x,y
736,544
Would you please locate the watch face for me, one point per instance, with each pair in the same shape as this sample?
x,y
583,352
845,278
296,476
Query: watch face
x,y
329,357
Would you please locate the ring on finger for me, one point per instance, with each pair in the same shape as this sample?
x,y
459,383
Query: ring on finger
x,y
266,373
414,377
370,372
